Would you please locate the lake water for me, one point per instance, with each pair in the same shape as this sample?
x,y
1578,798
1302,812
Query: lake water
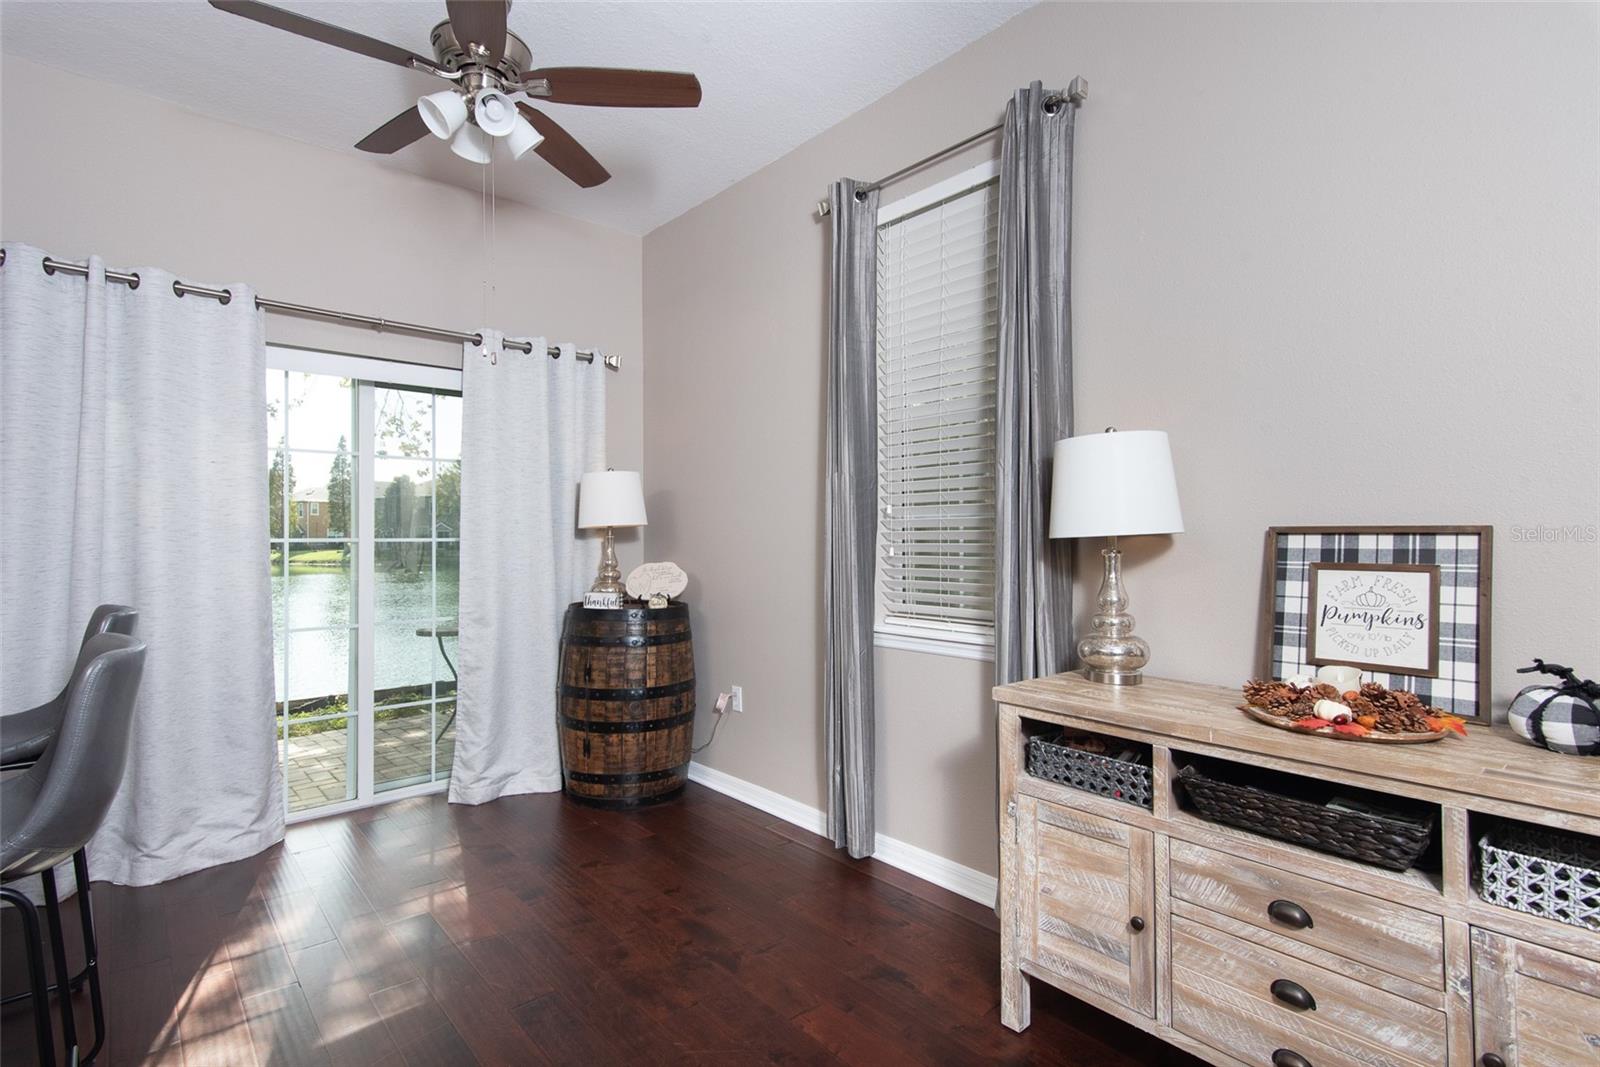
x,y
319,661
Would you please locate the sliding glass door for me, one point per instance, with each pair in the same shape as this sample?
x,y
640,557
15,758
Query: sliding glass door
x,y
363,500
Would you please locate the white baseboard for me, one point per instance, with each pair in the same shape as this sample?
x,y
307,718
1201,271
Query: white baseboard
x,y
789,810
919,862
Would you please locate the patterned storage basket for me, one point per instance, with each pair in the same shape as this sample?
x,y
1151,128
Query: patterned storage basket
x,y
1542,872
1119,779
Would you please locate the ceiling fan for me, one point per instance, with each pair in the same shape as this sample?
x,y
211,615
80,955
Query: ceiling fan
x,y
493,86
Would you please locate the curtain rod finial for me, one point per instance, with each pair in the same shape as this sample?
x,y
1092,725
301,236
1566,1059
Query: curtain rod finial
x,y
824,209
1078,89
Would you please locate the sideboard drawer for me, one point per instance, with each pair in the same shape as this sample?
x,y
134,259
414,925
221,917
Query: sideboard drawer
x,y
1391,937
1250,1002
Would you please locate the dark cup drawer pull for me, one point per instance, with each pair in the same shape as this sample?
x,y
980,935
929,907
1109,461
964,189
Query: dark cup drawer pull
x,y
1289,914
1293,994
1137,923
1492,1059
1284,1057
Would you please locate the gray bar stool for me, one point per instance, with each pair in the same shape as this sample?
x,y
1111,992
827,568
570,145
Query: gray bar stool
x,y
49,812
24,734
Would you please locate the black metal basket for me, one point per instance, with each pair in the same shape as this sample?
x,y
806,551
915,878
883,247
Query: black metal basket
x,y
1393,843
1118,779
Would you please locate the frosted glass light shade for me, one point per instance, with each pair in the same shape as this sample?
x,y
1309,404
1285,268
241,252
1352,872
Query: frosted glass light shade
x,y
495,112
610,498
523,138
471,144
1113,485
443,112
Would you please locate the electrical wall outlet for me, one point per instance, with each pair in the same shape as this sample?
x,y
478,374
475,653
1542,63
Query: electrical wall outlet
x,y
737,703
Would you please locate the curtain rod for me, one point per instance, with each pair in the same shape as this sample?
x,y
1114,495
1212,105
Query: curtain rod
x,y
282,307
1077,93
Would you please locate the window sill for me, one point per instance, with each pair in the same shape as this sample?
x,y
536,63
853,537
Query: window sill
x,y
964,647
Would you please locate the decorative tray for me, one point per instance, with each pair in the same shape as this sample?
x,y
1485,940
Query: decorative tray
x,y
1327,729
1361,712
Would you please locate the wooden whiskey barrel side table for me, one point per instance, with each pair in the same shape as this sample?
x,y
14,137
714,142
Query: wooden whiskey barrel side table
x,y
627,704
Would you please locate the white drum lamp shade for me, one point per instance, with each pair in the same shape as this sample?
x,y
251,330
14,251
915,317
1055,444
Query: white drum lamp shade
x,y
610,498
1114,485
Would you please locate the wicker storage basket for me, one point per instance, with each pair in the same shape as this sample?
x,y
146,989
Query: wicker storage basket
x,y
1541,872
1119,779
1392,843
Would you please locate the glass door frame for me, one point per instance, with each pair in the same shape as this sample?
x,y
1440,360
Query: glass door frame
x,y
368,374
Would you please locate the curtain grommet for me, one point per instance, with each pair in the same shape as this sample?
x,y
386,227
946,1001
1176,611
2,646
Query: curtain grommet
x,y
134,283
226,298
49,267
861,196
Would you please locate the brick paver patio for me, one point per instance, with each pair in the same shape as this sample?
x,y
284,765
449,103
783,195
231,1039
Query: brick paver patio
x,y
318,770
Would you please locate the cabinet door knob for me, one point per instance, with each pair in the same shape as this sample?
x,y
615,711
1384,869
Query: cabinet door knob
x,y
1289,914
1293,994
1137,923
1284,1057
1492,1059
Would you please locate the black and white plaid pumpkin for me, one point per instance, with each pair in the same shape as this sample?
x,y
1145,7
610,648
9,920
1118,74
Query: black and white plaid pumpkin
x,y
1562,716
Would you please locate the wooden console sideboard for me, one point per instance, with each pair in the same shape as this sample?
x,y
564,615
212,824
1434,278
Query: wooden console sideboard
x,y
1242,949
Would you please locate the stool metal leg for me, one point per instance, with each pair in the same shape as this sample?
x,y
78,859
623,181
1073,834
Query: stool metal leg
x,y
91,953
58,953
40,991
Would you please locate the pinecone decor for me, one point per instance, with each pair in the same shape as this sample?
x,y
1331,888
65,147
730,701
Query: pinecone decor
x,y
1270,695
1373,708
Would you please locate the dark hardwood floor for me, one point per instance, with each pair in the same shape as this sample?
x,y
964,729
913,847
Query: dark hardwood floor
x,y
533,931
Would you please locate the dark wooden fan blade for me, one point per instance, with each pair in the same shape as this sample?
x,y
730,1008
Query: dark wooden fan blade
x,y
349,40
395,134
563,152
481,22
615,87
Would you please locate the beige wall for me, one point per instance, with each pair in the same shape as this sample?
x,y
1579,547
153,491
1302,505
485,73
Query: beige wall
x,y
90,168
1345,255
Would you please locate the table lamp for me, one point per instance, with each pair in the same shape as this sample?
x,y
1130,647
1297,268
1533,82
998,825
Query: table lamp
x,y
606,500
1114,485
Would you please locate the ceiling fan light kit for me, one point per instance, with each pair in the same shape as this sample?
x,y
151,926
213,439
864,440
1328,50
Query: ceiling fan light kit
x,y
471,144
495,112
523,138
443,112
493,86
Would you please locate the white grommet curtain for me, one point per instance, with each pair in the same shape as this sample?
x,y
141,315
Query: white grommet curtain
x,y
531,426
132,472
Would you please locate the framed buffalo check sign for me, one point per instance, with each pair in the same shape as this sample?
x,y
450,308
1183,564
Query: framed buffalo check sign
x,y
1408,605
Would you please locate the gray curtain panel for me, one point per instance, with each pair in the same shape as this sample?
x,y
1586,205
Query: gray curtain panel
x,y
133,462
530,427
850,526
1033,575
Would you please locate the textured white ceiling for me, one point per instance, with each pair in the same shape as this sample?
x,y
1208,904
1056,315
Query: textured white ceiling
x,y
774,75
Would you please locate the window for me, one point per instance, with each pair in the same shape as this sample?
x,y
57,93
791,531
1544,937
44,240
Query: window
x,y
363,496
936,341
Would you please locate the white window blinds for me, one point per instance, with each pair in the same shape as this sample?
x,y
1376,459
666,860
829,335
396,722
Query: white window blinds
x,y
936,338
